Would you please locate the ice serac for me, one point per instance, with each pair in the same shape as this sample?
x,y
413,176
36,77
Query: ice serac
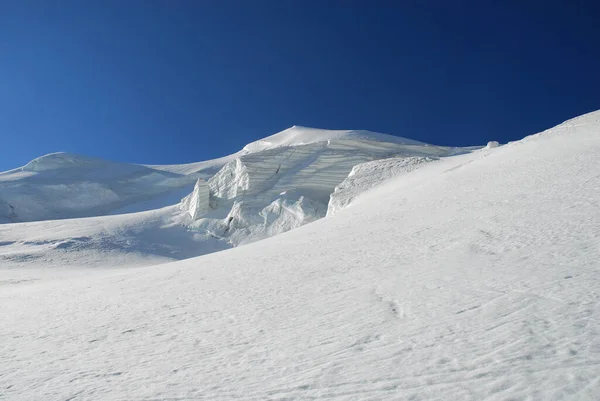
x,y
285,180
197,203
306,163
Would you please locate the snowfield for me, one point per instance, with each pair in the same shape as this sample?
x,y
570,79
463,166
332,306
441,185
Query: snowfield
x,y
368,175
62,185
270,186
466,277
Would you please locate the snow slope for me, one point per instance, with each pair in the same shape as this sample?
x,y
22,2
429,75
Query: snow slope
x,y
62,185
271,186
136,239
366,176
293,136
475,277
298,135
287,179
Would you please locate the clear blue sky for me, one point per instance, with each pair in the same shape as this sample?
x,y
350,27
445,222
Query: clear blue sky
x,y
175,81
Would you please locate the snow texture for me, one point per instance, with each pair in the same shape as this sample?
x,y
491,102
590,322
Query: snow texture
x,y
285,180
269,187
472,277
368,175
62,185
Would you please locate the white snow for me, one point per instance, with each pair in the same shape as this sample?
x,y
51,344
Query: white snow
x,y
248,196
62,185
366,176
197,203
285,181
492,144
298,135
472,277
136,239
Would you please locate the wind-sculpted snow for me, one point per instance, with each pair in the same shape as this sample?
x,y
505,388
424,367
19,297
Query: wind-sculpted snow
x,y
366,176
62,185
474,277
297,135
136,239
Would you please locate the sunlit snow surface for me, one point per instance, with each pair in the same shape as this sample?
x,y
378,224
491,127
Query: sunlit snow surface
x,y
271,186
470,277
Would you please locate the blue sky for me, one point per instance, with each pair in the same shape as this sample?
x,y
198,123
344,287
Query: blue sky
x,y
176,81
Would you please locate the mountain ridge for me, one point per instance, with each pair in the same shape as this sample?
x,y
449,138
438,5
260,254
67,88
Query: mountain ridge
x,y
92,186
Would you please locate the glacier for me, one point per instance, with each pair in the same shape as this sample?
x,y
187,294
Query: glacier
x,y
270,186
286,180
446,274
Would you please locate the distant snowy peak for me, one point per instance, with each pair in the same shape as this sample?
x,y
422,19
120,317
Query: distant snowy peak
x,y
298,135
61,160
70,166
64,185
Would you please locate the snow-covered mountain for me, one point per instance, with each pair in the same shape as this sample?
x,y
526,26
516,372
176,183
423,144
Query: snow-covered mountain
x,y
271,186
433,277
62,185
285,181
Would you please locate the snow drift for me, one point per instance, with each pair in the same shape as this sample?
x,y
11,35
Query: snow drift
x,y
62,185
366,176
